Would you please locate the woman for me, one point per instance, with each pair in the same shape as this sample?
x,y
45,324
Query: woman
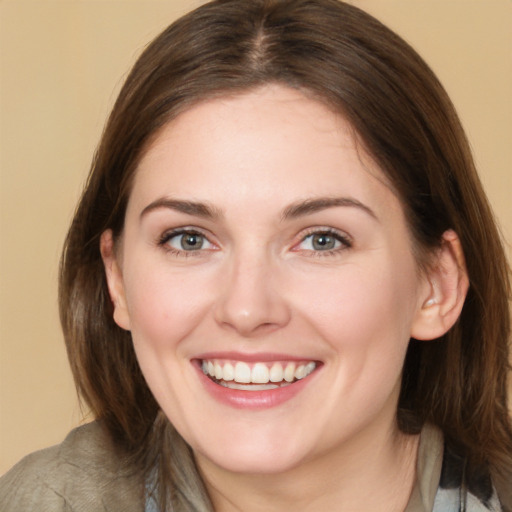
x,y
283,285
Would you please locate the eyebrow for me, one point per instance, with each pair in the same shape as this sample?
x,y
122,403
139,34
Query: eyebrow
x,y
310,206
295,210
189,207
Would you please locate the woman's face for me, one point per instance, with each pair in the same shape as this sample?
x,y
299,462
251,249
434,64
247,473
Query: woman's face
x,y
263,246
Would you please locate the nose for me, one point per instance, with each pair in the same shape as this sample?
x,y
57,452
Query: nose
x,y
251,301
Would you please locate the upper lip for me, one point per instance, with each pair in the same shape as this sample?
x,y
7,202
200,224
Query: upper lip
x,y
252,357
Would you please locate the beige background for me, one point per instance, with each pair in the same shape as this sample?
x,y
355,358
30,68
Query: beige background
x,y
61,64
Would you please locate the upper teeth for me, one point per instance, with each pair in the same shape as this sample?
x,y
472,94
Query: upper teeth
x,y
258,373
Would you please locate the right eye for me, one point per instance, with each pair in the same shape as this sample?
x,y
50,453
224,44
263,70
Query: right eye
x,y
186,241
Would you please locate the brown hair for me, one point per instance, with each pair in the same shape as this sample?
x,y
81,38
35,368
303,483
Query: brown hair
x,y
351,62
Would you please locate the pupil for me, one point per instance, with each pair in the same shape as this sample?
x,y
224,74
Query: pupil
x,y
323,242
191,242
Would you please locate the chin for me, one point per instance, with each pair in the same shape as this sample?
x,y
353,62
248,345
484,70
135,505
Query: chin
x,y
255,462
263,457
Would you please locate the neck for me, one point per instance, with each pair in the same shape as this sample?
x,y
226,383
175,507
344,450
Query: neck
x,y
376,472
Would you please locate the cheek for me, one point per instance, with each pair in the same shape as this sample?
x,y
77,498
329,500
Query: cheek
x,y
164,306
362,309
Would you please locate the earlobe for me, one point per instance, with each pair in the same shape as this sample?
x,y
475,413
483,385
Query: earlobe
x,y
447,286
114,280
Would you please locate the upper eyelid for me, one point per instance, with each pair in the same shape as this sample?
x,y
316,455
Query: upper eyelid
x,y
300,237
167,235
325,230
185,229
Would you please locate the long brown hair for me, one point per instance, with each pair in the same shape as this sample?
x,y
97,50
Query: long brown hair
x,y
351,62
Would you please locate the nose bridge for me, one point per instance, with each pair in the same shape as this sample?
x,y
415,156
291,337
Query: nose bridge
x,y
251,301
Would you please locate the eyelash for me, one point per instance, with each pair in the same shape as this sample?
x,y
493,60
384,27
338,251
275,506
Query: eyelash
x,y
342,238
163,242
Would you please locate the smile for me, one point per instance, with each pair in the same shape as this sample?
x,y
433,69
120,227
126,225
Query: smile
x,y
256,376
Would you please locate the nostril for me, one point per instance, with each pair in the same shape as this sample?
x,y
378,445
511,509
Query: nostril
x,y
250,329
259,318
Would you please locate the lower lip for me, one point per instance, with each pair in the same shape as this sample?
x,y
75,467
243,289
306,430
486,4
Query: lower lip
x,y
263,399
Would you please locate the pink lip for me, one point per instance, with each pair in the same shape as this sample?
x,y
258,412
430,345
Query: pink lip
x,y
251,358
251,400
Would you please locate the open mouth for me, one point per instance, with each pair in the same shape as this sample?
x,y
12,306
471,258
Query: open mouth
x,y
256,376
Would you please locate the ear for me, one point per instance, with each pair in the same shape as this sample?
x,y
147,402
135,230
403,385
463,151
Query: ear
x,y
446,286
114,279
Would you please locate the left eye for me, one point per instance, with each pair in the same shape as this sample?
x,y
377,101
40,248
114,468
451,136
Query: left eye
x,y
322,241
188,241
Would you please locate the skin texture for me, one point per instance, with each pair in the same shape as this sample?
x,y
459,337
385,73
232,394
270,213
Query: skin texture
x,y
259,285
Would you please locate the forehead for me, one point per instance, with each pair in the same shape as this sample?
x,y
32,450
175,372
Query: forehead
x,y
273,143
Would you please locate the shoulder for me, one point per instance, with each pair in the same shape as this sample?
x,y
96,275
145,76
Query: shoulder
x,y
84,473
446,483
428,469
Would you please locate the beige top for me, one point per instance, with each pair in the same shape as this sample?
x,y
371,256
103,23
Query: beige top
x,y
428,470
85,474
